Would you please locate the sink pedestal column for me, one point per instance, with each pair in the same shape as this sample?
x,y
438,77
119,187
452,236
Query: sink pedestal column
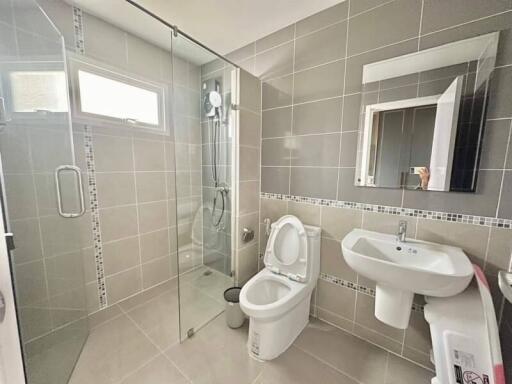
x,y
393,306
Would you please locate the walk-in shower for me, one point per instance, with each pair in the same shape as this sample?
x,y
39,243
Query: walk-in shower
x,y
116,169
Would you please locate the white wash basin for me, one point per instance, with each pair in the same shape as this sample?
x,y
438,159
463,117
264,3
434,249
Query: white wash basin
x,y
401,269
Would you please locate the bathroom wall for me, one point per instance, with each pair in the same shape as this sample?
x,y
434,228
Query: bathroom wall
x,y
311,92
248,175
217,239
129,173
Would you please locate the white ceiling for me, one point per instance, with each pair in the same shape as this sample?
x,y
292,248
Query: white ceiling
x,y
222,25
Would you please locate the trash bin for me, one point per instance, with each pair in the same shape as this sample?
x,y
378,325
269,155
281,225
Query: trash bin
x,y
234,316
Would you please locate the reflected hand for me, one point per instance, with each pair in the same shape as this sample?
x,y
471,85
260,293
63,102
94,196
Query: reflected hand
x,y
424,175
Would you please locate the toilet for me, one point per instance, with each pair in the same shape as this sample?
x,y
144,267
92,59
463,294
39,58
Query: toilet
x,y
277,299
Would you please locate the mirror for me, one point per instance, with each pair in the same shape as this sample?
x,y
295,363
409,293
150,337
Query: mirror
x,y
422,117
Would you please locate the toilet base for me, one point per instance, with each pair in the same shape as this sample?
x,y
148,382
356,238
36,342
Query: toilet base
x,y
268,338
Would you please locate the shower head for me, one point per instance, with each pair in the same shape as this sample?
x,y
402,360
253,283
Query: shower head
x,y
212,104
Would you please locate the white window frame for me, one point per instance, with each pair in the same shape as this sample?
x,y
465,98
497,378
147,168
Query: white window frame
x,y
78,64
6,89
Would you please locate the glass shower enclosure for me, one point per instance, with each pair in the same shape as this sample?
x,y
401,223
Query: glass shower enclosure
x,y
43,201
46,189
203,135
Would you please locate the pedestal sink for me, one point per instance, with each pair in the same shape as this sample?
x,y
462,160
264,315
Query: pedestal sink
x,y
401,269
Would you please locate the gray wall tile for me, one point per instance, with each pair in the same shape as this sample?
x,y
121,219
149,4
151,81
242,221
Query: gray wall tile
x,y
495,143
277,92
274,39
274,62
348,149
250,92
250,128
364,5
317,117
505,207
319,82
321,19
500,94
435,16
321,47
276,122
315,150
465,31
275,180
313,182
396,21
276,152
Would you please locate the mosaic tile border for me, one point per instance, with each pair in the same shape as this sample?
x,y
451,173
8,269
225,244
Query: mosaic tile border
x,y
95,216
360,288
78,25
408,212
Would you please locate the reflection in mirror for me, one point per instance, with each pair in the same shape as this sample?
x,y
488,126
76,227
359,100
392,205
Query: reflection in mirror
x,y
422,117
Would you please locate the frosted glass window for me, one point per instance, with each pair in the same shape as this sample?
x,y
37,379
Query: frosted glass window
x,y
38,90
103,96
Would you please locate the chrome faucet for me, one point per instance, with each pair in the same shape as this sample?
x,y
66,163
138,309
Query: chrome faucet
x,y
402,231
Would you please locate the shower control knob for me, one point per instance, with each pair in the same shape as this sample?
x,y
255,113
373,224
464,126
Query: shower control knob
x,y
247,235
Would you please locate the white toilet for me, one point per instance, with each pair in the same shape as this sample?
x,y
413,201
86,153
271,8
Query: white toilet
x,y
277,299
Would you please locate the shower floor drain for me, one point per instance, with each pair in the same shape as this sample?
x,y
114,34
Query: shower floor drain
x,y
207,273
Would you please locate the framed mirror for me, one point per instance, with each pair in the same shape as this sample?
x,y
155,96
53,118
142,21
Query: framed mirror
x,y
422,117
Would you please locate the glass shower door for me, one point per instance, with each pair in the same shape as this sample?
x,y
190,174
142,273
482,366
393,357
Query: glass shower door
x,y
203,143
42,196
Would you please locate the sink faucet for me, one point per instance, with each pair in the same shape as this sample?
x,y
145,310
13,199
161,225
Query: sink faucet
x,y
402,231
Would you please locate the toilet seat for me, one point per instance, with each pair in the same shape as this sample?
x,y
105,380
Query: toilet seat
x,y
287,249
257,302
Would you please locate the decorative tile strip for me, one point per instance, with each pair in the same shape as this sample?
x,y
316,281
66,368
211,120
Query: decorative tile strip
x,y
409,212
78,25
360,288
95,215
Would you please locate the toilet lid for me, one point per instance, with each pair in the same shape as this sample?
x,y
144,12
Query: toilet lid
x,y
287,249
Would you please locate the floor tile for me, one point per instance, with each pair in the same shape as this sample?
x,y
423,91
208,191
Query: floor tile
x,y
127,349
401,371
112,350
157,371
297,367
159,319
217,354
358,359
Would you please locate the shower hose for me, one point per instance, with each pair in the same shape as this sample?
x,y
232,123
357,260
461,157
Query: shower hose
x,y
220,194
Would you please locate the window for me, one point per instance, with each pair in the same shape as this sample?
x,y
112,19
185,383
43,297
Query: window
x,y
110,96
34,91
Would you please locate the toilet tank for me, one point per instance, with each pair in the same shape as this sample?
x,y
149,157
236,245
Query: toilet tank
x,y
314,236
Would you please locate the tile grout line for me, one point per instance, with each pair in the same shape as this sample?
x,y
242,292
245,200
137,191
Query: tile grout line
x,y
161,350
318,358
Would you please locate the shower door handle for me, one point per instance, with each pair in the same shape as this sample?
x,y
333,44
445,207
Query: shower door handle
x,y
81,199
